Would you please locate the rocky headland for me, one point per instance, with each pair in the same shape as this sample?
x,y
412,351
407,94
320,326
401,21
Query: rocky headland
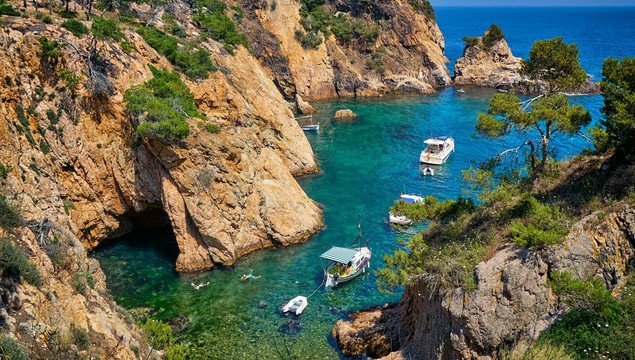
x,y
492,64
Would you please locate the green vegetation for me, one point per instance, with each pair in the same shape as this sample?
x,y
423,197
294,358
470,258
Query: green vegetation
x,y
376,61
469,41
9,215
195,64
11,349
212,128
70,78
541,224
549,114
50,50
346,29
493,35
4,170
14,263
7,9
424,6
82,280
618,127
44,147
106,29
213,21
76,27
598,325
309,40
160,337
556,63
80,337
161,107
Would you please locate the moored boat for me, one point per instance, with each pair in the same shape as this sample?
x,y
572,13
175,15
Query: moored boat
x,y
296,305
437,150
306,123
399,219
345,264
411,198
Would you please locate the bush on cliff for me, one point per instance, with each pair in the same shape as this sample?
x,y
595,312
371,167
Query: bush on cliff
x,y
215,23
14,263
161,107
195,64
10,349
425,7
76,27
598,324
493,35
9,215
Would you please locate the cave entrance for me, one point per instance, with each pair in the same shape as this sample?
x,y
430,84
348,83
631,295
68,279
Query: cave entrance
x,y
151,232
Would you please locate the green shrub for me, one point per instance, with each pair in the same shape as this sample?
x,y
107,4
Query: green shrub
x,y
598,325
161,107
159,333
3,171
9,215
56,251
47,19
176,352
471,41
80,282
127,47
425,7
6,9
15,263
11,350
80,337
195,64
493,35
70,78
76,27
221,28
212,128
52,116
540,224
106,29
44,147
68,14
50,50
309,40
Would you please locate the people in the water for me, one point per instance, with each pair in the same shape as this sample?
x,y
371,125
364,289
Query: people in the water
x,y
249,276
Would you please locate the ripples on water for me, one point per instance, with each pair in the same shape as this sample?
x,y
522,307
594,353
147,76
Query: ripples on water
x,y
365,163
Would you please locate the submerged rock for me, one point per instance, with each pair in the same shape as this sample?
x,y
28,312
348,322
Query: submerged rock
x,y
291,327
344,113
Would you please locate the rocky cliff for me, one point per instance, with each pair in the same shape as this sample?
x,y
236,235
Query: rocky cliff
x,y
405,56
511,301
494,67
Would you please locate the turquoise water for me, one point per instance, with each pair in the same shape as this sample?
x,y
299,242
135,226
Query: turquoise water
x,y
365,163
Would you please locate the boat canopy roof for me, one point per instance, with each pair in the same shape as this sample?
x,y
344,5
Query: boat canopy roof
x,y
339,254
439,141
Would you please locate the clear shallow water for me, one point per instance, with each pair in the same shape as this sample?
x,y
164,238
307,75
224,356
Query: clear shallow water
x,y
365,163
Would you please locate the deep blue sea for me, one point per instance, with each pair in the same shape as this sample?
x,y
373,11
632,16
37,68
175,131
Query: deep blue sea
x,y
365,163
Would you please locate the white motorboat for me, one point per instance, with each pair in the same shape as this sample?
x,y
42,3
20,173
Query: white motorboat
x,y
399,219
437,151
345,264
412,199
296,305
306,123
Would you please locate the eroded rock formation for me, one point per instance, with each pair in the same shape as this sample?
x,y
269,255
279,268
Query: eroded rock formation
x,y
512,299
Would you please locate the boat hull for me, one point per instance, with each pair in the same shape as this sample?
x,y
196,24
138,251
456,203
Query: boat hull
x,y
311,127
332,280
437,152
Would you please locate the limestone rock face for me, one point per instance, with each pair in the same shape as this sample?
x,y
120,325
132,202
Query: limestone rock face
x,y
493,67
407,56
78,166
512,298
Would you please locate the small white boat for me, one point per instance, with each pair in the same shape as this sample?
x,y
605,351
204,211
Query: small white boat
x,y
296,305
437,151
459,90
399,219
306,123
427,171
345,264
412,199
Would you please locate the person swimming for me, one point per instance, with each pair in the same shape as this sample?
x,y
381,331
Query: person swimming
x,y
249,276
